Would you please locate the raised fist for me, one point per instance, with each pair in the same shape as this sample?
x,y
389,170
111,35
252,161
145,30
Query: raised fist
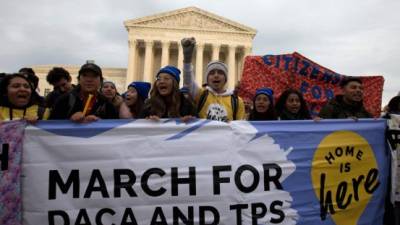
x,y
188,47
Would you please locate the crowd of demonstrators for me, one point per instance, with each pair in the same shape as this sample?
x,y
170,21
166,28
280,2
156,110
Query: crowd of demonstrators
x,y
92,99
213,102
18,100
166,100
60,79
85,103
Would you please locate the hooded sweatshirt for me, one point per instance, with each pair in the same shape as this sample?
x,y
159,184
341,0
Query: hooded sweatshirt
x,y
217,106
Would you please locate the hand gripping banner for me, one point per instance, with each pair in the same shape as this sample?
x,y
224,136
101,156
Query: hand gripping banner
x,y
205,172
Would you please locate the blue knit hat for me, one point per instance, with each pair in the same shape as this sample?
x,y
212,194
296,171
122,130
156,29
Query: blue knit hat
x,y
184,90
171,70
266,91
141,87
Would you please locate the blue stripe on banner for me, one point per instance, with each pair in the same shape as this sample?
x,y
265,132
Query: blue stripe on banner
x,y
87,130
189,130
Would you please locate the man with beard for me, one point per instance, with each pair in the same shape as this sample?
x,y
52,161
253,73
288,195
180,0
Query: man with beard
x,y
347,105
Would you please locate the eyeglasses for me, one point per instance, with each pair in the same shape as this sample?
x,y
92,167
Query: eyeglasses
x,y
166,78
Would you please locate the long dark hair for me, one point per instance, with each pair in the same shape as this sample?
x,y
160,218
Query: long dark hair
x,y
136,108
280,106
270,114
165,104
394,104
3,90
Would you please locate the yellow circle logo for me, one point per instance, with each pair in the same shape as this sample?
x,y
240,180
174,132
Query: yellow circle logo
x,y
344,174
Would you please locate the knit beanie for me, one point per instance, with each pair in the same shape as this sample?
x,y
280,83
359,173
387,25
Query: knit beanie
x,y
266,91
141,87
217,65
184,90
171,70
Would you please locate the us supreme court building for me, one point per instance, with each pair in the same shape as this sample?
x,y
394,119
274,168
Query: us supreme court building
x,y
154,41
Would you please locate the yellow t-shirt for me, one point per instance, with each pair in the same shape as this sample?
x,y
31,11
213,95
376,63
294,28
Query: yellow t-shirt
x,y
219,107
18,114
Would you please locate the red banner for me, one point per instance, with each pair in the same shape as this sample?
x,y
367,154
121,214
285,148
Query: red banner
x,y
317,83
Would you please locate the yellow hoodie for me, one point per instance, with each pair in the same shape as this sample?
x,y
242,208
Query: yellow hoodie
x,y
7,113
219,106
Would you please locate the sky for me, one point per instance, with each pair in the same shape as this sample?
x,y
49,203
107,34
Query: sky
x,y
350,37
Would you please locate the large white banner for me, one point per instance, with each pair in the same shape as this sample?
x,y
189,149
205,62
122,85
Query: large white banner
x,y
145,173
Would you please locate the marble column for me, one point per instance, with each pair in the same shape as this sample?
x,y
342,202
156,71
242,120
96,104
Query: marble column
x,y
246,52
148,61
131,73
180,56
199,63
215,52
165,53
231,66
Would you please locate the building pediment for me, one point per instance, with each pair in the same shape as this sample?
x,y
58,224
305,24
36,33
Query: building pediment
x,y
191,18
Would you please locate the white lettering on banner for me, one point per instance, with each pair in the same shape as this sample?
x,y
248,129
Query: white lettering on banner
x,y
166,173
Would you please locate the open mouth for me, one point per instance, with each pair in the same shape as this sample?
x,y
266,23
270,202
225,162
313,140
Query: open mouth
x,y
294,109
162,88
23,96
261,106
216,82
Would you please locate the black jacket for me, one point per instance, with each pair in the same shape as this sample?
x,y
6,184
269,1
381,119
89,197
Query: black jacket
x,y
70,103
53,96
338,109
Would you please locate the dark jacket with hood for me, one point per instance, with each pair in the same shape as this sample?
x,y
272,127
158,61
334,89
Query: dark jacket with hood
x,y
71,102
337,108
53,96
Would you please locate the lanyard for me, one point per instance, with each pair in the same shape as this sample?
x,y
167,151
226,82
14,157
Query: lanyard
x,y
10,111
